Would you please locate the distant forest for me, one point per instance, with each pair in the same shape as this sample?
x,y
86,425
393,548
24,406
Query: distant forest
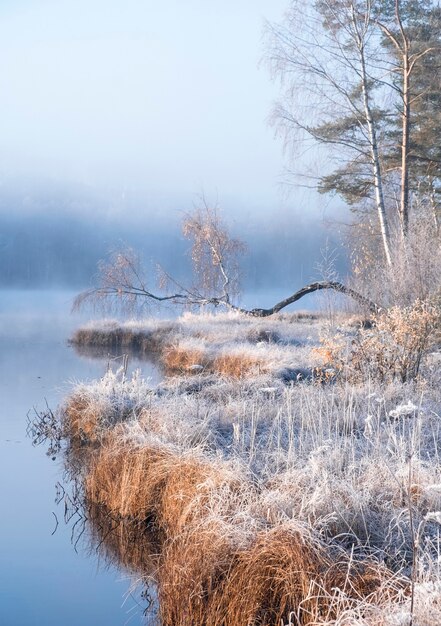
x,y
56,248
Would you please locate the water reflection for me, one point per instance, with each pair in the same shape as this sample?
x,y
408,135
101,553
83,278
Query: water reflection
x,y
43,580
115,356
116,542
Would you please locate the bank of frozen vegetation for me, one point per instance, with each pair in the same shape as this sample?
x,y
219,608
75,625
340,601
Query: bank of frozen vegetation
x,y
277,478
287,468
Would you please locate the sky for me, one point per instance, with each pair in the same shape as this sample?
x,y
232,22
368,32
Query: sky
x,y
119,114
169,98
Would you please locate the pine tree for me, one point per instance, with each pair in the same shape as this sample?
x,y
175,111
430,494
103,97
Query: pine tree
x,y
422,24
372,70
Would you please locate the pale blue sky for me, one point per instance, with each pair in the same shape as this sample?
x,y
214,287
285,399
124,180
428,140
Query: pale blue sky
x,y
165,96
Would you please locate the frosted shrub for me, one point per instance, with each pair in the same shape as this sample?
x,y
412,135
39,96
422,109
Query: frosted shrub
x,y
392,349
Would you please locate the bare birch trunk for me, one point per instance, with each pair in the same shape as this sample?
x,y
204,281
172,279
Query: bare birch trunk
x,y
404,195
434,206
404,192
378,183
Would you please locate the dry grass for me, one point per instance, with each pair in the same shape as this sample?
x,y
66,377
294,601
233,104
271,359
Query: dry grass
x,y
393,347
227,344
179,360
139,339
120,479
218,564
91,410
273,580
148,482
269,499
81,419
239,365
287,576
215,573
194,565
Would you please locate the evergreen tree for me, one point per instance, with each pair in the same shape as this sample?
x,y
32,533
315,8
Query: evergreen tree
x,y
372,70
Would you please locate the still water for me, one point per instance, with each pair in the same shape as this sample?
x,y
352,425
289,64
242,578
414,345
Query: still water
x,y
43,580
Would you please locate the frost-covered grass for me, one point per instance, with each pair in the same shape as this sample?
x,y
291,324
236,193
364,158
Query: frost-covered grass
x,y
227,343
258,485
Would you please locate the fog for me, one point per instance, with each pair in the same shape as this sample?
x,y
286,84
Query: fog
x,y
139,93
116,116
55,238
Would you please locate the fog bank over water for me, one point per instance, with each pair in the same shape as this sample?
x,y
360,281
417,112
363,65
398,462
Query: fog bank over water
x,y
117,115
54,236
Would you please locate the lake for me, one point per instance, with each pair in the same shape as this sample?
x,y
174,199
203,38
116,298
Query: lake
x,y
43,580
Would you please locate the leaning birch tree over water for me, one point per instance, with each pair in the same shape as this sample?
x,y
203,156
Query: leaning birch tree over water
x,y
123,282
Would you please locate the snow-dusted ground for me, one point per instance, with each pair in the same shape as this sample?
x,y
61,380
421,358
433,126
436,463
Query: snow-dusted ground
x,y
209,341
358,464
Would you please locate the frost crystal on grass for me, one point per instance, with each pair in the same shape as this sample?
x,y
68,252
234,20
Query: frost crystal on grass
x,y
268,390
403,410
368,427
400,618
433,516
435,488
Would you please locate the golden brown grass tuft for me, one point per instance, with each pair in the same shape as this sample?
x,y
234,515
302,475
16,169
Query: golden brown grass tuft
x,y
142,482
122,478
365,581
212,575
90,420
271,581
192,569
178,359
191,487
238,365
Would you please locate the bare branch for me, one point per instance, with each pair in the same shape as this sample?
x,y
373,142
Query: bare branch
x,y
311,288
122,280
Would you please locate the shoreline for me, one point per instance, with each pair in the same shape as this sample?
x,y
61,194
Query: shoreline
x,y
236,472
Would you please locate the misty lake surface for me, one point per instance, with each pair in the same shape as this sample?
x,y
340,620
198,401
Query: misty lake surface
x,y
43,580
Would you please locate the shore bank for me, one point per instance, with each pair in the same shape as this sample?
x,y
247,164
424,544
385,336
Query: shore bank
x,y
269,499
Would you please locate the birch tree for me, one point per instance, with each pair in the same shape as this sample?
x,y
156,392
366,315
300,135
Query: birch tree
x,y
354,63
123,283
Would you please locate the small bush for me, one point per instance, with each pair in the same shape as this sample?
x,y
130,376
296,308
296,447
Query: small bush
x,y
391,349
